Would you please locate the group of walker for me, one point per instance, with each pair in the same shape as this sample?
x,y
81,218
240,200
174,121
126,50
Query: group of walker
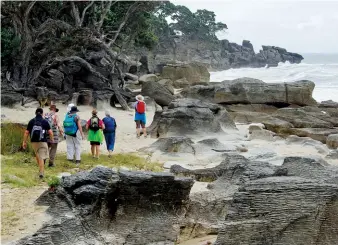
x,y
45,131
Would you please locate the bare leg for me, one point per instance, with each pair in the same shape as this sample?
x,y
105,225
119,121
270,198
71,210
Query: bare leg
x,y
144,132
97,150
41,165
93,150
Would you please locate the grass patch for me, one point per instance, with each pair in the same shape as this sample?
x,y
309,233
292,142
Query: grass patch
x,y
11,139
21,170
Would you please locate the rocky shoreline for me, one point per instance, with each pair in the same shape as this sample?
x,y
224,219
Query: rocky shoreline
x,y
250,191
250,195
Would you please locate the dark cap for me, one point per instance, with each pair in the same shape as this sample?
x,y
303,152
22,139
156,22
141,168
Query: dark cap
x,y
74,109
39,111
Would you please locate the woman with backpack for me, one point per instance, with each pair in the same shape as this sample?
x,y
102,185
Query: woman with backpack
x,y
140,116
109,132
55,125
95,126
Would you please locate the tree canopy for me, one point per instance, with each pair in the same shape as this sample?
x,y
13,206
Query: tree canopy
x,y
35,34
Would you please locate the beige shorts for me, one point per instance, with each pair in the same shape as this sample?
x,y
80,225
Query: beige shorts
x,y
41,149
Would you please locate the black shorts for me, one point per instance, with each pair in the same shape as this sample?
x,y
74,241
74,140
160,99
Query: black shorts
x,y
95,143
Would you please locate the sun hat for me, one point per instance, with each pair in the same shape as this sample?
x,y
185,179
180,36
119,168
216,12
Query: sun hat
x,y
69,107
74,109
139,97
53,107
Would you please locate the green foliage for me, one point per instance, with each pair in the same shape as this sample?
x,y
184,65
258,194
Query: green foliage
x,y
11,139
198,25
9,45
53,181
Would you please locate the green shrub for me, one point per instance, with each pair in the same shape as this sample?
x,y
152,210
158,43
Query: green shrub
x,y
53,181
11,138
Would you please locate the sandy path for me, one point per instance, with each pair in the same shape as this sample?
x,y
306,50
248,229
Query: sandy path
x,y
126,140
20,216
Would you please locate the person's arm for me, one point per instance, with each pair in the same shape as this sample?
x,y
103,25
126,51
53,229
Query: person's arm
x,y
87,124
80,127
26,134
51,136
102,125
25,137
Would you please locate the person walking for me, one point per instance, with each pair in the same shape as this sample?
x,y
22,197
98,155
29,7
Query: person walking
x,y
109,132
54,122
74,135
37,129
95,136
140,116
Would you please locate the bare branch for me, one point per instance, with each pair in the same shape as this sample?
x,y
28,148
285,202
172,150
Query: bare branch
x,y
52,24
28,10
76,14
84,12
83,63
124,21
104,13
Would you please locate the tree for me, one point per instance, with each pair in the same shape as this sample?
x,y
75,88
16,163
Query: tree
x,y
50,30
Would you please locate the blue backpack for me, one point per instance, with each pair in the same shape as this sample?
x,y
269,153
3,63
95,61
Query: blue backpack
x,y
110,125
69,125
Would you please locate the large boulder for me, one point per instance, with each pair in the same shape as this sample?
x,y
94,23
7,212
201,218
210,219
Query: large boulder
x,y
194,73
10,98
148,78
332,141
108,207
328,104
160,93
254,91
300,208
301,118
319,134
168,84
192,117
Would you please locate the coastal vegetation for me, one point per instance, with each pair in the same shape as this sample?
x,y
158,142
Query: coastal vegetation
x,y
37,34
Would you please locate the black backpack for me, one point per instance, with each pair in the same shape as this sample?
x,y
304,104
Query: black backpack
x,y
37,133
94,124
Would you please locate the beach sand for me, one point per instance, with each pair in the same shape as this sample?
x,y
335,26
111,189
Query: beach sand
x,y
126,140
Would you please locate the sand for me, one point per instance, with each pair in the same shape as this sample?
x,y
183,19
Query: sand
x,y
126,140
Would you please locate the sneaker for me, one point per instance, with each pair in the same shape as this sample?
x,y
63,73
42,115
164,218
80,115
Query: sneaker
x,y
77,162
41,175
51,165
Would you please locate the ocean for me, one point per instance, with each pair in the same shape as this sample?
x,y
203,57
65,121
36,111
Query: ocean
x,y
322,69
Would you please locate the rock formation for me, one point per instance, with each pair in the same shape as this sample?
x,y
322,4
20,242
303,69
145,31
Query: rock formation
x,y
190,117
107,207
254,91
300,208
217,55
192,73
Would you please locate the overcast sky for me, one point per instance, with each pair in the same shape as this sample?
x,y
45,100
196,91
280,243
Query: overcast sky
x,y
301,26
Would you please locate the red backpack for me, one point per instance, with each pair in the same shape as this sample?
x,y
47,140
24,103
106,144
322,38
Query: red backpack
x,y
141,107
